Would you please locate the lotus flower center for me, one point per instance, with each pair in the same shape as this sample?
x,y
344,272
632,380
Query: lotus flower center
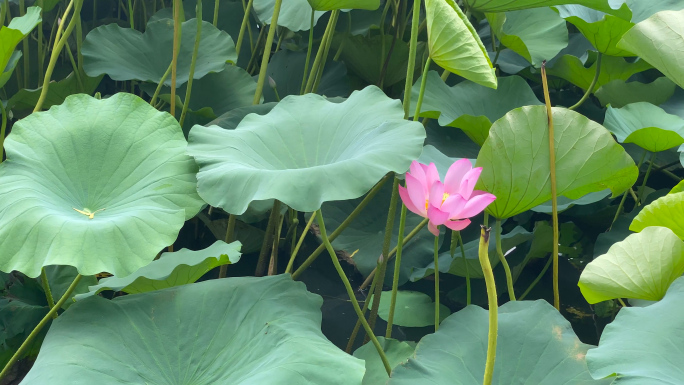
x,y
444,197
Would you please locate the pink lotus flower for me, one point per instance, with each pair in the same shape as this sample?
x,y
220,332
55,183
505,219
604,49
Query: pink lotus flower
x,y
450,203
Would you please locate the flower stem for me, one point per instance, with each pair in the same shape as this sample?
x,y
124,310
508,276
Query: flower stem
x,y
423,83
214,21
268,238
411,65
436,282
230,231
267,52
47,290
193,62
177,5
397,268
308,56
327,36
465,264
592,85
160,84
504,262
299,244
493,305
40,326
357,327
350,291
241,35
642,189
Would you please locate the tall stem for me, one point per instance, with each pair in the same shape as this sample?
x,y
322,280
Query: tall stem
x,y
536,280
465,263
324,59
411,65
642,191
230,230
436,255
47,290
25,49
350,292
40,326
554,194
357,326
273,219
423,83
329,31
397,269
590,90
290,264
483,255
504,262
267,52
241,35
214,22
176,48
308,54
161,84
624,196
3,128
193,61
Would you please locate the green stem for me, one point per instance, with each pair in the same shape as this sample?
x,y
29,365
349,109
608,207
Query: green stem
x,y
308,54
290,264
624,196
47,290
350,292
642,189
255,51
230,231
326,50
40,326
160,84
267,52
357,326
436,255
397,268
341,227
3,129
273,264
411,65
41,55
423,83
130,13
504,262
493,305
465,265
3,12
25,49
177,4
327,36
74,66
193,62
590,90
268,238
536,280
214,22
241,35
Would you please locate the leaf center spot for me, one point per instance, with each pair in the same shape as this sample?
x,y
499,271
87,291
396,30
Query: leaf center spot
x,y
86,211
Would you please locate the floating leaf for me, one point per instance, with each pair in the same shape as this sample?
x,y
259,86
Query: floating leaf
x,y
26,100
413,308
294,15
515,160
665,211
470,106
226,331
643,344
536,34
455,45
15,32
171,269
601,29
306,151
572,69
329,5
645,125
126,54
101,185
642,267
395,351
619,93
536,345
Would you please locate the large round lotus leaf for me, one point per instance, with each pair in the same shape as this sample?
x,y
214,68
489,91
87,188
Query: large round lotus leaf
x,y
644,344
126,54
642,267
226,331
15,32
601,29
306,151
329,5
536,345
294,15
118,159
645,125
666,211
660,41
470,106
535,34
454,43
515,160
171,269
395,351
619,93
413,308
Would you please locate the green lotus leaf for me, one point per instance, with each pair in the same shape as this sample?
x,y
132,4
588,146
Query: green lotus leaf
x,y
26,100
171,269
508,5
536,34
470,106
431,154
642,10
329,5
659,40
455,45
603,30
306,151
572,69
396,352
60,278
645,125
536,345
101,185
665,211
294,15
230,120
515,160
413,309
643,344
642,267
225,331
9,68
566,203
678,188
15,32
619,93
450,142
126,54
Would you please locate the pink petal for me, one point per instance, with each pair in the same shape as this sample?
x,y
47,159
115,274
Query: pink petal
x,y
418,172
453,205
469,181
436,194
416,191
458,225
431,174
437,216
403,193
454,176
476,204
433,229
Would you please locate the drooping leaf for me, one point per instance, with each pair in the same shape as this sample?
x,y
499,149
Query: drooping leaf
x,y
118,159
306,151
171,269
536,34
515,160
294,15
619,93
413,308
15,32
645,125
26,100
601,29
226,331
329,5
665,211
126,54
470,106
396,352
455,45
572,69
508,5
536,345
6,73
642,267
643,344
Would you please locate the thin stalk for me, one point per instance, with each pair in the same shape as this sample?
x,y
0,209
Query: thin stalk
x,y
326,50
350,292
493,305
382,30
130,14
554,194
346,37
341,227
308,54
423,83
504,262
290,264
176,49
273,264
536,280
327,36
357,326
74,66
40,326
79,42
624,196
47,290
41,54
622,303
268,238
467,270
3,12
267,52
397,267
411,65
255,51
590,90
241,35
230,230
436,255
642,191
3,129
214,22
25,49
193,62
160,84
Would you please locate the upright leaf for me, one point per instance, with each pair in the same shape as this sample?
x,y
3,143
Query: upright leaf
x,y
603,30
645,125
619,93
15,32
